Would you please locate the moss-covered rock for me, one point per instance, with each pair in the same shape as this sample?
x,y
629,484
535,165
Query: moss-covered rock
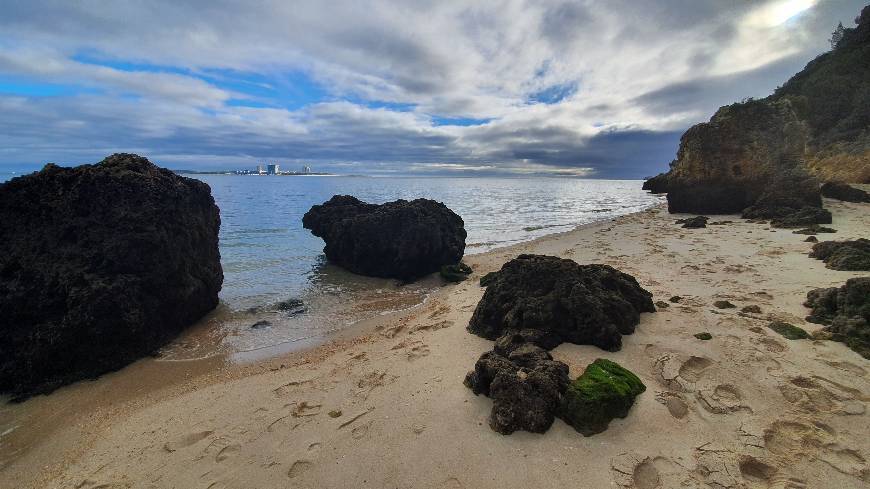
x,y
789,331
605,391
844,255
806,216
704,336
455,273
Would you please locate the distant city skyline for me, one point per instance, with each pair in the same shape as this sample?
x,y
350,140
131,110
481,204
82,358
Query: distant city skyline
x,y
559,88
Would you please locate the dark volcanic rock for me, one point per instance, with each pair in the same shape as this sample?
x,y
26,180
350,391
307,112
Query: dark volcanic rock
x,y
525,386
694,222
100,265
814,229
487,279
582,304
803,217
400,239
811,239
844,255
605,391
847,312
844,192
657,184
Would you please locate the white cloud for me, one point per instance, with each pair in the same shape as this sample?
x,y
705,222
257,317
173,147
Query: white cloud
x,y
633,68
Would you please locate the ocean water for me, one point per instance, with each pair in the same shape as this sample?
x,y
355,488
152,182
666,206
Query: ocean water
x,y
268,257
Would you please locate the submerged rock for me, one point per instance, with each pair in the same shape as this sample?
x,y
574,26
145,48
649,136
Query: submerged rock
x,y
694,222
292,307
844,255
846,311
400,239
455,273
582,304
525,386
100,265
844,192
605,391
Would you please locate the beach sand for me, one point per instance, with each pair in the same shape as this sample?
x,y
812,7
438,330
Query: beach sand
x,y
384,405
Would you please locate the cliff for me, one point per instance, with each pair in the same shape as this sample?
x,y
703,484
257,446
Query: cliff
x,y
816,127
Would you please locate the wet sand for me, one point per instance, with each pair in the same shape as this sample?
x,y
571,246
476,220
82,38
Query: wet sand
x,y
383,405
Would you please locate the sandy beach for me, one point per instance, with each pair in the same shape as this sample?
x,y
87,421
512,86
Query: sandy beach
x,y
384,405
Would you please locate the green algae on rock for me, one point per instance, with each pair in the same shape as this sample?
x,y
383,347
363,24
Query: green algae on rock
x,y
789,331
605,391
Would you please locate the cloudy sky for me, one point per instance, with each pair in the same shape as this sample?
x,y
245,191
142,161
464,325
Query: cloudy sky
x,y
594,88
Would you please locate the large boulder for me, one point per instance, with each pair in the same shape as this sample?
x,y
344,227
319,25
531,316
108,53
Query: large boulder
x,y
99,265
582,304
401,239
844,255
657,184
846,312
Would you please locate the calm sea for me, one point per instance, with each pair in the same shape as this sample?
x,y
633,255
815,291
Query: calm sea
x,y
268,257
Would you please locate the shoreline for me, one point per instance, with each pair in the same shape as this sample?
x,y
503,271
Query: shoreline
x,y
427,351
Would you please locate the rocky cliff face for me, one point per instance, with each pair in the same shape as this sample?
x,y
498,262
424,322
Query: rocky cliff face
x,y
815,127
100,265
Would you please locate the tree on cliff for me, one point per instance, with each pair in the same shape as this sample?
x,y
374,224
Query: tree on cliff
x,y
837,35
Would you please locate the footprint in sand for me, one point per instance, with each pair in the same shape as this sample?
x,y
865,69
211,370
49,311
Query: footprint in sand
x,y
792,440
678,375
187,440
675,404
299,467
360,431
723,399
692,369
228,452
630,470
452,483
755,470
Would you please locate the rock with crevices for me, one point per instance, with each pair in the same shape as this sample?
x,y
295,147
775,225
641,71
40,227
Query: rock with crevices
x,y
400,239
100,265
582,304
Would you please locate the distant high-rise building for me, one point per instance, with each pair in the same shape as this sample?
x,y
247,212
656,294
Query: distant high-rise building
x,y
306,169
261,169
274,169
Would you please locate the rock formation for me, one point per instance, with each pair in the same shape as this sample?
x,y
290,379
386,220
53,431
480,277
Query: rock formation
x,y
694,222
100,265
524,383
400,239
846,311
582,304
844,192
844,255
765,157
